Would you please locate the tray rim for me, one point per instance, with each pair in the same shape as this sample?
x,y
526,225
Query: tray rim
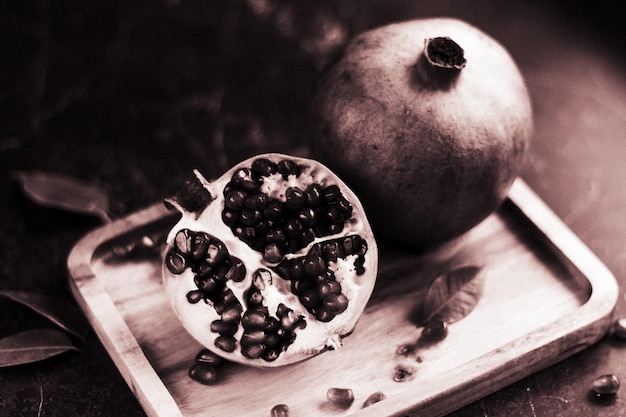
x,y
497,368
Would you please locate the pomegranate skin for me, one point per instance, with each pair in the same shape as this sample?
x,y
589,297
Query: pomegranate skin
x,y
430,155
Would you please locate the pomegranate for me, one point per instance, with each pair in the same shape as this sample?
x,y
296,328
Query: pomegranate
x,y
271,263
428,121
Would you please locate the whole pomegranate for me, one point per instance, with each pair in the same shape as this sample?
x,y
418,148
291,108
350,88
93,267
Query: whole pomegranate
x,y
271,263
427,120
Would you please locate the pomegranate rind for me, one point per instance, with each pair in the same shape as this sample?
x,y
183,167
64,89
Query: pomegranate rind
x,y
317,336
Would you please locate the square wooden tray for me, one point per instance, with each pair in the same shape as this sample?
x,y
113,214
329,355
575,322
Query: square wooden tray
x,y
546,297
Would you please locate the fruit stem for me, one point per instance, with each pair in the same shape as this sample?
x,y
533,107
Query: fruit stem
x,y
441,62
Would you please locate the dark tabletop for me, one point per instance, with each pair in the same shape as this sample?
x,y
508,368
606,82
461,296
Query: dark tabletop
x,y
132,95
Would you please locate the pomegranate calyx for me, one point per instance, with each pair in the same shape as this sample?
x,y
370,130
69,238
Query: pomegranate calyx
x,y
444,52
440,63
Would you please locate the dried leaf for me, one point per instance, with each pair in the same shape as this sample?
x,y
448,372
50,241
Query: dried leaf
x,y
65,193
64,315
453,295
33,345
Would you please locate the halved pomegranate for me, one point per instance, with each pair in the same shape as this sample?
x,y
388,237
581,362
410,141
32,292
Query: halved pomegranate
x,y
272,263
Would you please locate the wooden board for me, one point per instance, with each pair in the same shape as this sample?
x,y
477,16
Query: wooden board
x,y
546,296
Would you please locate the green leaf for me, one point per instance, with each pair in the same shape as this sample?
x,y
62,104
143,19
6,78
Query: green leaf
x,y
66,316
33,346
453,295
65,193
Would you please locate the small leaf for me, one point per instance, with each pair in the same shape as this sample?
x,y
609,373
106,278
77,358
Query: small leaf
x,y
64,315
33,346
65,193
454,295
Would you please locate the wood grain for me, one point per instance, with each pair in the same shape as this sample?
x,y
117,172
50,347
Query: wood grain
x,y
546,297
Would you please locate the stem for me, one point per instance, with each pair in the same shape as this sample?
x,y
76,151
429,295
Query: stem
x,y
441,63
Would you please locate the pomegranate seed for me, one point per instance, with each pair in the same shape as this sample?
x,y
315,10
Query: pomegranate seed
x,y
247,234
402,374
308,236
374,398
287,168
199,244
331,193
291,321
204,373
295,198
271,355
324,316
228,297
202,269
280,410
335,303
223,328
182,241
253,337
254,297
272,253
235,200
272,340
344,206
334,216
434,331
307,216
262,278
314,265
274,210
340,397
275,236
250,217
298,287
230,218
237,270
314,195
215,253
262,227
606,384
282,309
194,296
211,285
351,244
253,351
206,356
262,167
328,287
330,251
232,314
253,319
226,343
243,179
310,299
257,202
333,229
175,262
293,227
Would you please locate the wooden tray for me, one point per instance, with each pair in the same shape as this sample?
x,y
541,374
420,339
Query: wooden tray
x,y
546,297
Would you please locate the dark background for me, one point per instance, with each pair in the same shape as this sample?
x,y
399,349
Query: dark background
x,y
131,95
